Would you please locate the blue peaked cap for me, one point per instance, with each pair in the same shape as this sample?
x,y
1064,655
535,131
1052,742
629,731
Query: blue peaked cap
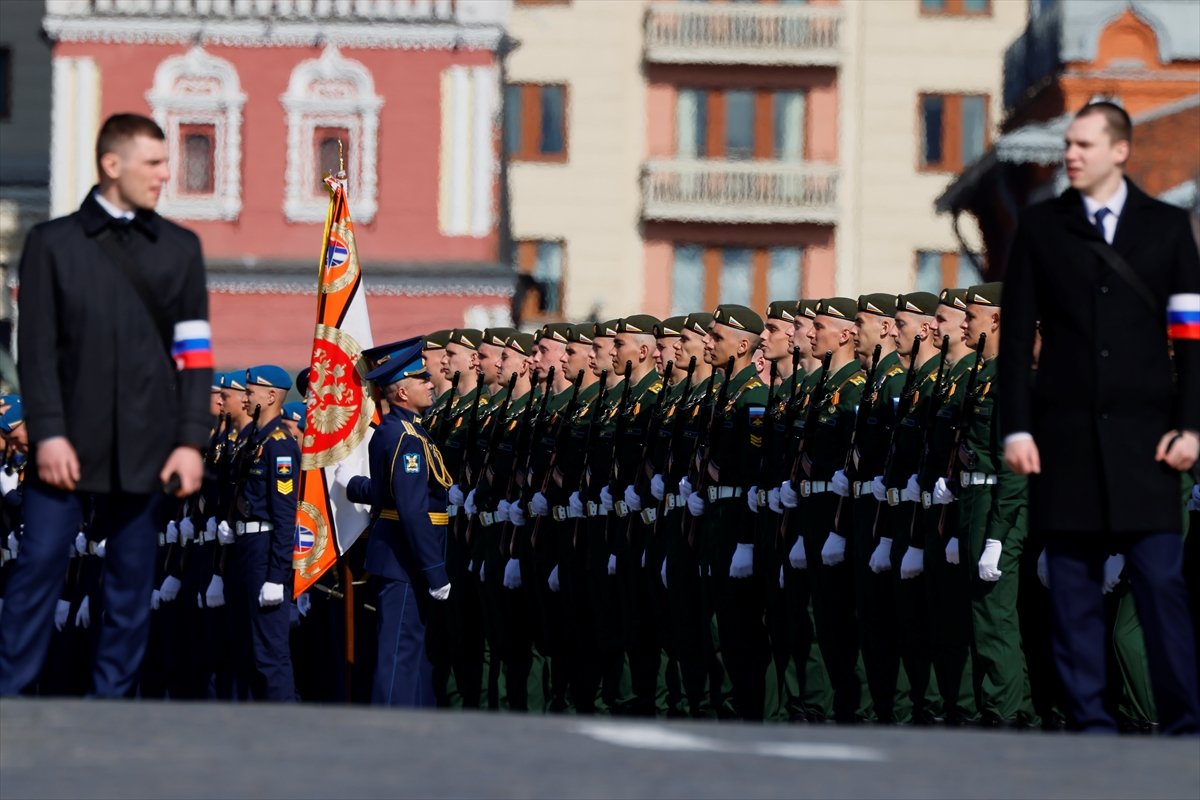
x,y
270,376
13,415
295,411
397,360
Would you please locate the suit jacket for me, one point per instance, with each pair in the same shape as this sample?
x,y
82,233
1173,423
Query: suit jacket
x,y
93,363
1106,389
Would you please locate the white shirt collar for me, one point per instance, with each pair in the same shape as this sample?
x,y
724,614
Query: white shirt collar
x,y
1115,204
112,210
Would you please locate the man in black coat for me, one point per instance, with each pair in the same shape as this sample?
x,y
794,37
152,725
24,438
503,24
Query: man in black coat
x,y
115,368
1110,273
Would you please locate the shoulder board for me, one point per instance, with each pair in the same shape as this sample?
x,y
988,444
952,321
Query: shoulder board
x,y
408,428
858,379
278,435
895,370
754,383
655,387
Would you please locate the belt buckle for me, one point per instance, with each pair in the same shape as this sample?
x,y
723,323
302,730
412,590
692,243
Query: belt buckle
x,y
714,494
649,515
162,539
806,488
964,479
558,513
893,497
762,498
621,508
926,499
670,501
591,508
487,517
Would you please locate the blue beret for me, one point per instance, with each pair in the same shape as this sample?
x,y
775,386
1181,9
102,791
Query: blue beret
x,y
235,380
392,362
295,411
13,415
270,376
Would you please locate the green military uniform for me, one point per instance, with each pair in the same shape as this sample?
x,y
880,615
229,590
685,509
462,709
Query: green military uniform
x,y
431,346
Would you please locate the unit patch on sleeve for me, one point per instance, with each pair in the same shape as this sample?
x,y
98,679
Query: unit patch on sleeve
x,y
283,465
412,463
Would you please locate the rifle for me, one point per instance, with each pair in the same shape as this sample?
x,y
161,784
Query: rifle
x,y
905,402
963,423
647,472
472,435
865,400
927,421
587,445
618,435
704,444
651,434
563,424
814,407
439,426
506,534
497,425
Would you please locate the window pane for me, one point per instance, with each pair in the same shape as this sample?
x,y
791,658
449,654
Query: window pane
x,y
929,271
789,126
687,279
691,127
974,116
968,273
931,130
512,119
975,6
933,5
547,271
783,274
739,125
736,283
197,163
552,120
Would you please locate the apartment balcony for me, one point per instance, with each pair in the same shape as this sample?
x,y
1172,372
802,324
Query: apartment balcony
x,y
736,33
687,190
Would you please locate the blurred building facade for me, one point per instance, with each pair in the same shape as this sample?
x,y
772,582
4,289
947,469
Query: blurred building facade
x,y
255,98
1141,54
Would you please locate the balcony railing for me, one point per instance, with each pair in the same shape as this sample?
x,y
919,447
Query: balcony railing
x,y
739,191
735,33
375,10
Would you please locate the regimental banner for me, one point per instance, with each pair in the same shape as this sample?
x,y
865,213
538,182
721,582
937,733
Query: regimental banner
x,y
341,410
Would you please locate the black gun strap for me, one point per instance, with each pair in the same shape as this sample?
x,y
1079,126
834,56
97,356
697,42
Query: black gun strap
x,y
1119,265
123,260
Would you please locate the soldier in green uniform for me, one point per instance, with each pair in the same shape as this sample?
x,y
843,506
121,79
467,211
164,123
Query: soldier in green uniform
x,y
823,453
433,346
727,534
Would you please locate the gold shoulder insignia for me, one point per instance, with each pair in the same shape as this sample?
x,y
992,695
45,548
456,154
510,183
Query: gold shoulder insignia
x,y
655,387
409,429
754,383
858,379
894,371
278,435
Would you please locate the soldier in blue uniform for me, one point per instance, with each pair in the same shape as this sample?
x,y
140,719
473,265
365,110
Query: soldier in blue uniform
x,y
406,551
265,526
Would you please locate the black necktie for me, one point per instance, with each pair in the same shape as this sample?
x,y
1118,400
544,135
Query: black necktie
x,y
1101,213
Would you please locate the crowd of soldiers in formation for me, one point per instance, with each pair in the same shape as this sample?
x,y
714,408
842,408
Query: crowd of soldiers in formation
x,y
800,516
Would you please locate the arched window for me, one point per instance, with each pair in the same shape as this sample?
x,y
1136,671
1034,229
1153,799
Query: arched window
x,y
197,100
330,99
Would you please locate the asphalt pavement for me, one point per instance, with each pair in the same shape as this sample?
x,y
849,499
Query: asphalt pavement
x,y
130,750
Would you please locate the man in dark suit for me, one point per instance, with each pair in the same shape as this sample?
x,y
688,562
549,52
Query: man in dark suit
x,y
115,371
1110,273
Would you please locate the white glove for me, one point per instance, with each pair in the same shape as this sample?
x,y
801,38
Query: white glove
x,y
469,503
214,596
539,506
941,494
8,482
952,550
225,534
575,505
658,487
187,529
516,514
81,543
170,588
271,594
343,474
685,488
879,489
502,511
989,561
834,551
83,617
787,495
61,610
440,594
752,499
512,574
155,600
172,532
101,548
662,574
210,529
773,502
1112,571
912,491
612,564
913,563
796,556
1043,569
455,495
606,498
633,501
881,559
742,565
552,581
695,504
841,484
304,604
14,544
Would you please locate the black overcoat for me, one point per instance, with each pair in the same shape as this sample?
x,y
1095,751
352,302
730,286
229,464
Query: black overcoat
x,y
1106,389
92,362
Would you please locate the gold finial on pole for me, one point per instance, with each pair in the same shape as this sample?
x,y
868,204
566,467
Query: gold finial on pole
x,y
341,161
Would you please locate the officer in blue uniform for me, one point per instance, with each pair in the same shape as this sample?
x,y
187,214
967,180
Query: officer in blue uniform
x,y
265,526
406,551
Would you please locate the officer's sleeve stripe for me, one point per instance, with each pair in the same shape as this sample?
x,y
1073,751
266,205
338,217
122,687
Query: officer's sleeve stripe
x,y
192,348
1183,316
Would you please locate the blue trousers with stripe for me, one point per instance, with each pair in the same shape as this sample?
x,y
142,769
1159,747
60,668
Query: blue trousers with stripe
x,y
403,672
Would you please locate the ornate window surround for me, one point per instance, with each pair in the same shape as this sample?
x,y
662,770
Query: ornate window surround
x,y
200,89
330,92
